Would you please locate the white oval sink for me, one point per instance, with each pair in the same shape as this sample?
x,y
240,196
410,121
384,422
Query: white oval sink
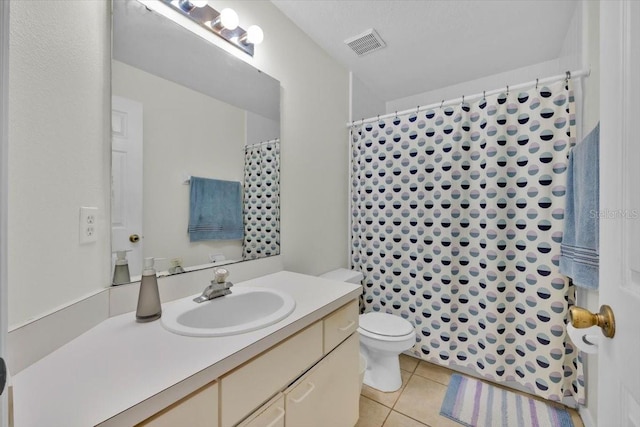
x,y
246,309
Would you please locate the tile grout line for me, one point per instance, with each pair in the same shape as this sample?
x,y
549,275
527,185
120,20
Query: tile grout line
x,y
404,386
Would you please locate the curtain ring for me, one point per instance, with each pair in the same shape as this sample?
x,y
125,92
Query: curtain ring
x,y
507,90
537,84
378,117
396,114
484,93
417,109
568,76
441,104
462,99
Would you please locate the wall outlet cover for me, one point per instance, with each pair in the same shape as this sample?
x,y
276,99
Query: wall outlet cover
x,y
88,225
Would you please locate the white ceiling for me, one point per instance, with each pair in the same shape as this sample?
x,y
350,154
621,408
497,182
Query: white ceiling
x,y
434,43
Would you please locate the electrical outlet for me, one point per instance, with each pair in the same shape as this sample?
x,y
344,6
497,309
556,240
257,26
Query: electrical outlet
x,y
88,222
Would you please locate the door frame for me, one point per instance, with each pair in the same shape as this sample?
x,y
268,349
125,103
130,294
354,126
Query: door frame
x,y
4,187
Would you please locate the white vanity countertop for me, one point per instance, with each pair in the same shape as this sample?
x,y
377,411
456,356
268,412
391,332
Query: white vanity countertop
x,y
103,374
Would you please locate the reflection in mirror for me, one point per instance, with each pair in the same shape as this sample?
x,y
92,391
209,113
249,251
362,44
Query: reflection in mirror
x,y
183,108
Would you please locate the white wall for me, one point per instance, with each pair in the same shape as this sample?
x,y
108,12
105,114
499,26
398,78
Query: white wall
x,y
364,102
4,113
206,141
58,151
59,148
495,81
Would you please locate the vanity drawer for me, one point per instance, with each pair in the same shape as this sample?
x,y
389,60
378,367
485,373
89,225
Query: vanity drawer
x,y
270,415
199,409
253,383
340,324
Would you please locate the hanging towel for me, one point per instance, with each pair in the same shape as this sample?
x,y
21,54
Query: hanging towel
x,y
215,210
579,249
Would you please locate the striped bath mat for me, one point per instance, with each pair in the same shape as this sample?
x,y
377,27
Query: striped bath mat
x,y
476,404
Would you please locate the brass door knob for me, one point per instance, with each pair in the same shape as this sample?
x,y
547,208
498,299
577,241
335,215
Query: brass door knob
x,y
583,318
134,238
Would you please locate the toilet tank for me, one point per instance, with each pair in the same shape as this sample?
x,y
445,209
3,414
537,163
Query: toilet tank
x,y
344,275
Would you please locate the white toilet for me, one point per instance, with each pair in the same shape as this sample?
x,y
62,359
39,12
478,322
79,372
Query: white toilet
x,y
382,338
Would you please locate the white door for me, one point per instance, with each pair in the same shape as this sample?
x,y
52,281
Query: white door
x,y
126,181
619,358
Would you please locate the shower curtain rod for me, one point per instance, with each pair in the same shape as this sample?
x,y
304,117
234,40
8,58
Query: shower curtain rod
x,y
572,74
271,141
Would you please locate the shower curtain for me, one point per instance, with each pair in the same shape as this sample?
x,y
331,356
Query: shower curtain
x,y
456,225
261,204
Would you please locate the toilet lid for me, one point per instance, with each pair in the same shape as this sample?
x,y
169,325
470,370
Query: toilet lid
x,y
385,324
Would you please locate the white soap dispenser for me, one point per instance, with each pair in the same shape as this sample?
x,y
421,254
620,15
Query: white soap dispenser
x,y
149,297
121,270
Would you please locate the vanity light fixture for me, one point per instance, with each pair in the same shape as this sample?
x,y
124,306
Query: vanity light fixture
x,y
189,5
224,24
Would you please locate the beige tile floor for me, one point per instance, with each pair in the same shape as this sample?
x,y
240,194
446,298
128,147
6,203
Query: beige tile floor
x,y
417,403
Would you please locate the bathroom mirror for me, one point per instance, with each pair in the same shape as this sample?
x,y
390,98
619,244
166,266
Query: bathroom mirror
x,y
184,107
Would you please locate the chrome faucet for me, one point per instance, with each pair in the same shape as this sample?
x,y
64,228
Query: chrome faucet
x,y
219,287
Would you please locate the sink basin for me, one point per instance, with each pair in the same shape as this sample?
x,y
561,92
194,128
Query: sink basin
x,y
246,309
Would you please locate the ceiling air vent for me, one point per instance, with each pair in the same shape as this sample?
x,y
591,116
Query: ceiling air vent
x,y
366,42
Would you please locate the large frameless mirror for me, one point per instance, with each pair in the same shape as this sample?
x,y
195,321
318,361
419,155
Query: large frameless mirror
x,y
187,113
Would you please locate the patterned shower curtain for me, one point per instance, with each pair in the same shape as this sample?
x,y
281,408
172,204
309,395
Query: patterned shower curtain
x,y
456,225
261,205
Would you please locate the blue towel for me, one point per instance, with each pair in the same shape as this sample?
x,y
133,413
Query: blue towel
x,y
215,210
580,245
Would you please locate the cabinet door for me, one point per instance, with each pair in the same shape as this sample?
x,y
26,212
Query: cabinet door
x,y
339,325
270,415
199,409
328,395
249,386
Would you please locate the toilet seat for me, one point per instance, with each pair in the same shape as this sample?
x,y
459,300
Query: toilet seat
x,y
385,327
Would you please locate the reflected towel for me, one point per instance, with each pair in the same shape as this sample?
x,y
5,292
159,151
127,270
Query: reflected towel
x,y
215,210
579,250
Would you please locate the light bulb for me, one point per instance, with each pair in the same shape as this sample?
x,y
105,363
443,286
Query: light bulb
x,y
199,3
229,19
255,34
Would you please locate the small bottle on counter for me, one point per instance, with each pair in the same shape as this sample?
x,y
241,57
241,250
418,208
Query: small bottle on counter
x,y
121,269
149,308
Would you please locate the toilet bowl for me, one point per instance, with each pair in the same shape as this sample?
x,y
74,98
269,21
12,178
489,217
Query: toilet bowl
x,y
382,338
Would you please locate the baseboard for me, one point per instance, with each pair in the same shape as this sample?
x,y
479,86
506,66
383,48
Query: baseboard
x,y
585,414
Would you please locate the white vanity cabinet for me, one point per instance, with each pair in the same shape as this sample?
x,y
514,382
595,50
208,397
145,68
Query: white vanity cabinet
x,y
213,382
326,395
309,379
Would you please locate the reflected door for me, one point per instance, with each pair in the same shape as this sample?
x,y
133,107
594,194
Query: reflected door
x,y
126,181
618,372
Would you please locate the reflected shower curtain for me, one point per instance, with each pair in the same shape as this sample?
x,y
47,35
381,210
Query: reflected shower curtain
x,y
456,225
261,204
